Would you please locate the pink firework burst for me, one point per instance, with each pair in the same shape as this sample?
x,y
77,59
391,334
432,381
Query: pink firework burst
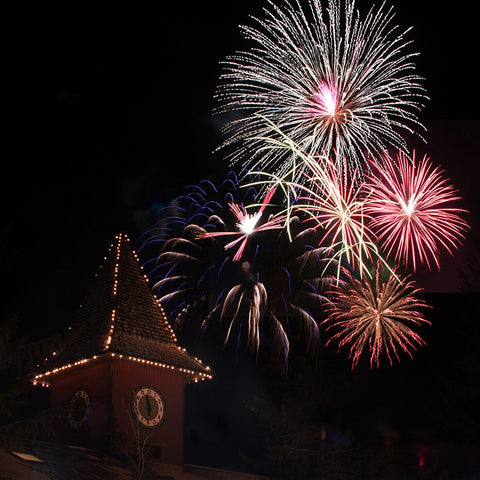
x,y
375,316
248,224
410,207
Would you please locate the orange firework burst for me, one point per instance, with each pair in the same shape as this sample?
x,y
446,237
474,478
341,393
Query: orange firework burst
x,y
376,315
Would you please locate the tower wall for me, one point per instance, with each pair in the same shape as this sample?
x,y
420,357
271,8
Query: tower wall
x,y
166,440
110,422
95,378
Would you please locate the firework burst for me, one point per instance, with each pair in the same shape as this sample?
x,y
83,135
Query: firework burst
x,y
335,205
376,316
275,293
333,82
248,224
411,210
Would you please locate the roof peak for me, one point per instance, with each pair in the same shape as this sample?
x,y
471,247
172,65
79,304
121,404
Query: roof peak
x,y
121,293
121,315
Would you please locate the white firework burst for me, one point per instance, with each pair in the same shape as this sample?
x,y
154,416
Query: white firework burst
x,y
336,84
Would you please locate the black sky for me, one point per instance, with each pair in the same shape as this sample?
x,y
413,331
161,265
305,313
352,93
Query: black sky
x,y
112,117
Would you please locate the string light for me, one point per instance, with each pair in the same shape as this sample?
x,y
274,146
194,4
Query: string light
x,y
110,332
193,375
43,377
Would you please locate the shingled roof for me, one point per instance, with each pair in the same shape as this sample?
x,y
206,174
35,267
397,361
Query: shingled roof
x,y
122,317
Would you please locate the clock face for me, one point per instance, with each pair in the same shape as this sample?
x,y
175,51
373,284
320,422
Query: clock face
x,y
148,406
78,409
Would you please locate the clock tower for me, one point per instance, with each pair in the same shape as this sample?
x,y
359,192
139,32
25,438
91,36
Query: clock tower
x,y
121,372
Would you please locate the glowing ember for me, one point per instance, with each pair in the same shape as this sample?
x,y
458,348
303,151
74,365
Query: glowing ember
x,y
327,99
248,222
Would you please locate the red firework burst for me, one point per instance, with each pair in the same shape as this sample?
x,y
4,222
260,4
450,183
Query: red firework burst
x,y
375,315
411,212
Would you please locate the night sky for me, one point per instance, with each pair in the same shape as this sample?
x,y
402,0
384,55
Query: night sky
x,y
111,118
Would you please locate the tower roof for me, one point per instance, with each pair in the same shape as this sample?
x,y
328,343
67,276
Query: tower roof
x,y
121,317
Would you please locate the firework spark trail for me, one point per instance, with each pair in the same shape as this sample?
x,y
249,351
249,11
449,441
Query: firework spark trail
x,y
247,224
337,207
331,81
195,205
376,316
411,210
